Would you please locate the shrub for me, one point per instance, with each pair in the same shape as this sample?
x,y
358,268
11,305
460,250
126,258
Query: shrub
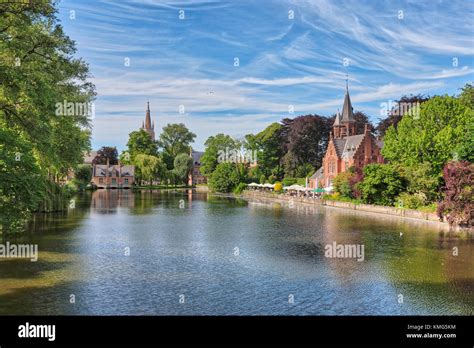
x,y
262,179
288,181
278,187
342,185
381,184
411,200
240,187
224,178
458,202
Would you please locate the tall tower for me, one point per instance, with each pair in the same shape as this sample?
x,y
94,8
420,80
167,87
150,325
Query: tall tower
x,y
345,124
148,126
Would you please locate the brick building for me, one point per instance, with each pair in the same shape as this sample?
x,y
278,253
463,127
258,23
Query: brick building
x,y
346,148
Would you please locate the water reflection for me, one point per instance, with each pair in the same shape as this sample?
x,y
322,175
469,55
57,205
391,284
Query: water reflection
x,y
232,257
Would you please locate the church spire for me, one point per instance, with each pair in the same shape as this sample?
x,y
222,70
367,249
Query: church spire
x,y
347,110
337,121
148,117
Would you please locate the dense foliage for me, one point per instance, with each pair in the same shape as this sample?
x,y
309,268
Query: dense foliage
x,y
45,106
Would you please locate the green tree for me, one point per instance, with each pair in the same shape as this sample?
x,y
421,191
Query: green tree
x,y
140,143
174,139
182,166
82,176
433,136
421,179
45,104
21,181
151,167
44,92
224,178
215,145
268,144
341,184
381,184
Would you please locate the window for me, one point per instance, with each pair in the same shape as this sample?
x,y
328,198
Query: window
x,y
101,180
126,181
114,181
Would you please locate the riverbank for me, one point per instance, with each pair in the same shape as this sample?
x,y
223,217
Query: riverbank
x,y
365,208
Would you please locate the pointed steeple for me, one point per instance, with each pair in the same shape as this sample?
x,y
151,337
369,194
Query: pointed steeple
x,y
337,121
148,117
347,111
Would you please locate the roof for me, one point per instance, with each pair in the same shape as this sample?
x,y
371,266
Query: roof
x,y
351,145
99,170
318,174
196,156
347,110
89,157
339,145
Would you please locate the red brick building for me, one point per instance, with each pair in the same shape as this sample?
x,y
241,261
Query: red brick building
x,y
346,148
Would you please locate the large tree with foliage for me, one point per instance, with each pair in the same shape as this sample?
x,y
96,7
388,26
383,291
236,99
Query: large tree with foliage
x,y
381,184
434,136
400,107
305,140
224,178
214,147
140,143
106,153
182,166
39,74
150,167
268,145
175,139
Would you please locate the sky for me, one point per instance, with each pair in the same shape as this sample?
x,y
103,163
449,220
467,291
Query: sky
x,y
234,67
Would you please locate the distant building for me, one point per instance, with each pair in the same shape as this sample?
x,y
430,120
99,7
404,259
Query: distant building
x,y
346,148
89,157
149,126
195,177
113,176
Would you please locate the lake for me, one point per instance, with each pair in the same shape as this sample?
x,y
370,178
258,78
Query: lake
x,y
181,253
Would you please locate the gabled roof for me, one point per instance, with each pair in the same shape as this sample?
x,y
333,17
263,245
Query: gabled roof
x,y
318,174
352,142
339,145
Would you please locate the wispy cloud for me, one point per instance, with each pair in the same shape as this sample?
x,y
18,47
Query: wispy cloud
x,y
392,49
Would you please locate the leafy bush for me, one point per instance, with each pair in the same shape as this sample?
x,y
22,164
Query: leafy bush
x,y
224,178
411,200
458,203
342,185
381,184
288,181
240,187
278,187
262,179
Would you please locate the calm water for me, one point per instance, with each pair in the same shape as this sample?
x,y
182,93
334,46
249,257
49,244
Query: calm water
x,y
224,256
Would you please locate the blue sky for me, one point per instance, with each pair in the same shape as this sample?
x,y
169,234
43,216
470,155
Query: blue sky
x,y
291,53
